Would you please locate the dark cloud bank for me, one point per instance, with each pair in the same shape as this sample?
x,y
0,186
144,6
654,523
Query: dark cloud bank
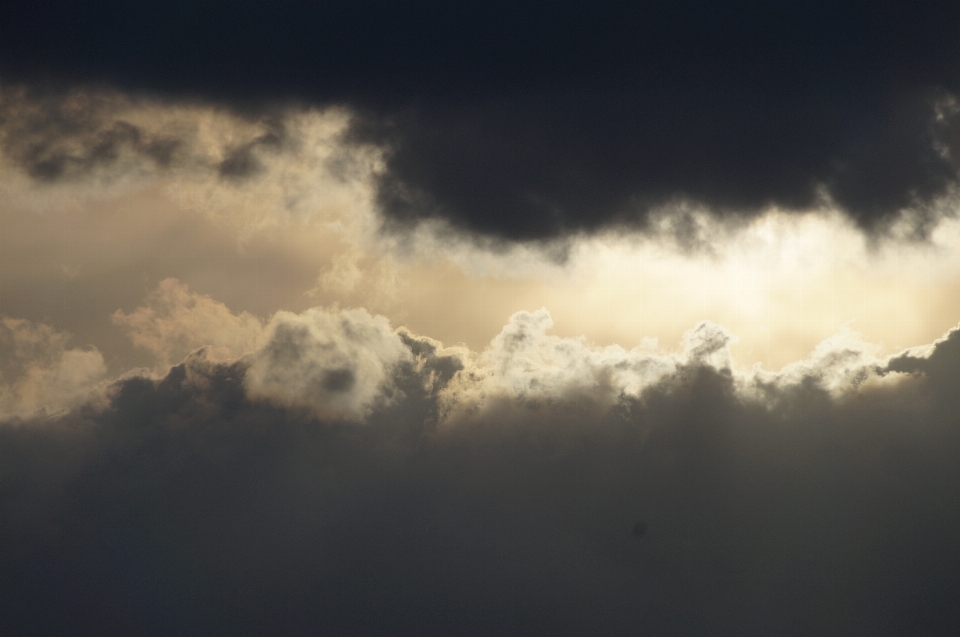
x,y
529,119
186,506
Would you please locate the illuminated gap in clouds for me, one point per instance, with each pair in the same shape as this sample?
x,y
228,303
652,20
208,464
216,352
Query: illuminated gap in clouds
x,y
781,281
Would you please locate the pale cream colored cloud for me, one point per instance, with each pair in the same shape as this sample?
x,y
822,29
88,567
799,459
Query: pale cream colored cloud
x,y
527,364
838,364
336,363
39,373
175,321
355,277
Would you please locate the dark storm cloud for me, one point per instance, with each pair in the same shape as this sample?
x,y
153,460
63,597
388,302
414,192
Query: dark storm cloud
x,y
185,506
530,119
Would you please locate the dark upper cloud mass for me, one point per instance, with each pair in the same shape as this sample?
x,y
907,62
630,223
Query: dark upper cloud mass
x,y
532,119
186,505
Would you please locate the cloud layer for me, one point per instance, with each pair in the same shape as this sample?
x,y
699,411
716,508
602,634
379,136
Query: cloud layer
x,y
39,373
531,120
346,477
262,369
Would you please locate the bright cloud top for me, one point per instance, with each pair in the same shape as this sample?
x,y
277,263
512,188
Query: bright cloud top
x,y
340,363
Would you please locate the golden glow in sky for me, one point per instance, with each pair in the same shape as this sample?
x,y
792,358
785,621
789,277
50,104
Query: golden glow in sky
x,y
303,233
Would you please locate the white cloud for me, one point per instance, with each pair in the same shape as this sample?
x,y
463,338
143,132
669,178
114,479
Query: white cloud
x,y
341,363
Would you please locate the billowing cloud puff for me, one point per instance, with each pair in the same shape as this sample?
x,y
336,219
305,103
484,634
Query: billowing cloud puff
x,y
839,364
338,363
175,321
38,372
526,365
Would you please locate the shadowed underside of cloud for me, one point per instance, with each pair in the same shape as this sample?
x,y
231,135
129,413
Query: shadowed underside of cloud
x,y
348,479
530,120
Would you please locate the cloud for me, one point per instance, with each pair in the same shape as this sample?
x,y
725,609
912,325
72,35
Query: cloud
x,y
193,501
39,373
175,321
279,468
939,362
532,120
525,364
251,170
338,363
836,365
66,137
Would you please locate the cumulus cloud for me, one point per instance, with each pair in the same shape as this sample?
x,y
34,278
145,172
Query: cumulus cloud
x,y
525,365
837,365
338,363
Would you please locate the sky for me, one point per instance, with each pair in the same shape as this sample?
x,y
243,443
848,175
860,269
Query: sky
x,y
521,318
